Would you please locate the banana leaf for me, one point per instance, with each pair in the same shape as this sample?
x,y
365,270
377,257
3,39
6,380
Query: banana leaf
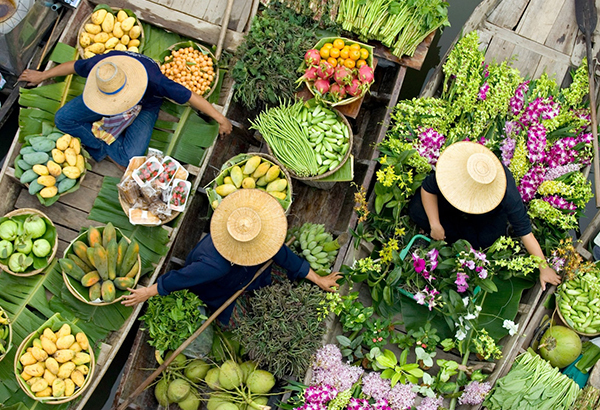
x,y
107,208
63,53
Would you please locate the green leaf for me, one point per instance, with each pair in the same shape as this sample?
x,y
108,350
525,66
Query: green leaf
x,y
63,53
386,362
395,378
343,340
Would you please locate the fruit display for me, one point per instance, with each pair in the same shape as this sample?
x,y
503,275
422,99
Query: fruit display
x,y
315,245
251,171
193,66
338,71
51,164
100,265
578,303
147,189
55,363
106,30
28,242
5,334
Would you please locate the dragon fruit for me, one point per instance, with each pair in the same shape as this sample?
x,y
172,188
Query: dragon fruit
x,y
354,88
337,91
309,75
322,86
312,57
325,70
342,75
366,74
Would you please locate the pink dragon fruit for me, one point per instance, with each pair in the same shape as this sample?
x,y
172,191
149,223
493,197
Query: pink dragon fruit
x,y
310,74
312,57
366,74
325,70
337,91
322,86
342,75
354,88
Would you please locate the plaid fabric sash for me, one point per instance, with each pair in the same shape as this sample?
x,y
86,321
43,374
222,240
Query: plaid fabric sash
x,y
108,129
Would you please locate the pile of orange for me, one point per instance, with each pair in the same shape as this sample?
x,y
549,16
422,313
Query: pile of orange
x,y
338,53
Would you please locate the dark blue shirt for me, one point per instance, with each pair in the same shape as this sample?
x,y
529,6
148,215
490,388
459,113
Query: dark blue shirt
x,y
214,279
159,86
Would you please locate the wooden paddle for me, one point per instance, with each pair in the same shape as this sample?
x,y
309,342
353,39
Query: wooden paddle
x,y
587,18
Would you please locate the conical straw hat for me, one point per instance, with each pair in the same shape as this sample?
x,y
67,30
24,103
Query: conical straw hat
x,y
471,177
248,227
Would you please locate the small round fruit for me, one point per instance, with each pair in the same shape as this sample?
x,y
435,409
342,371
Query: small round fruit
x,y
354,55
345,52
334,52
360,63
355,47
364,53
340,61
332,61
349,63
328,45
324,52
339,43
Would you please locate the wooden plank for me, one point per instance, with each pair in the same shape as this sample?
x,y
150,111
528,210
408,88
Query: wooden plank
x,y
240,17
58,213
538,19
499,50
416,61
558,69
508,13
65,233
92,181
565,30
526,60
106,168
82,199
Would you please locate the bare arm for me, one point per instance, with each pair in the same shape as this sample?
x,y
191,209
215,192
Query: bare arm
x,y
34,77
430,204
207,108
547,274
327,283
140,295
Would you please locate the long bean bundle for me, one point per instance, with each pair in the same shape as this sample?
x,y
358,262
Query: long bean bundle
x,y
287,138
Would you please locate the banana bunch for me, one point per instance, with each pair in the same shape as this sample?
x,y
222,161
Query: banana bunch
x,y
4,332
315,245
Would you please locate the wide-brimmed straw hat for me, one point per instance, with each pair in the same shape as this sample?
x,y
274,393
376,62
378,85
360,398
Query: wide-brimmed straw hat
x,y
115,84
248,227
471,177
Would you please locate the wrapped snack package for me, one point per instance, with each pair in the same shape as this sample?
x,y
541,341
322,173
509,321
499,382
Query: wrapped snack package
x,y
148,171
150,194
142,217
134,163
160,209
179,194
171,167
182,174
158,154
129,190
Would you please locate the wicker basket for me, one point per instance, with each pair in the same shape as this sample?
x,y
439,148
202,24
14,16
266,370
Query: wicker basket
x,y
10,336
68,279
31,211
51,400
568,324
89,20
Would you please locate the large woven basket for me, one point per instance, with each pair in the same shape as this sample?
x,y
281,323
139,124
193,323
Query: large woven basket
x,y
568,324
10,336
31,211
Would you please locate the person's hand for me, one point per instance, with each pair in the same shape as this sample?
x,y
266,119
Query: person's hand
x,y
32,77
329,283
225,126
548,275
437,232
137,296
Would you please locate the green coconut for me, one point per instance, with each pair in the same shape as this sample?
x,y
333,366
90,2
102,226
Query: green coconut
x,y
191,402
160,392
212,378
178,390
227,406
261,400
178,361
196,370
260,381
247,368
560,346
216,399
230,375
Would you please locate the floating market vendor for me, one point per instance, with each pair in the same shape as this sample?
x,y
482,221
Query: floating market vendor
x,y
247,229
472,196
116,113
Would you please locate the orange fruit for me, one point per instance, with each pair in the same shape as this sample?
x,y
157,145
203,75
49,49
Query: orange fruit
x,y
332,61
349,63
340,61
355,47
334,52
360,63
324,52
364,53
327,45
354,55
338,43
344,53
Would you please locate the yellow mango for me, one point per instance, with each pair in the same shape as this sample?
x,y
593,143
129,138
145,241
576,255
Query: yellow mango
x,y
108,23
92,28
111,43
49,376
75,144
63,331
27,359
71,156
52,365
272,173
278,194
81,358
37,343
26,376
237,176
65,341
39,386
101,37
39,354
133,43
83,369
225,189
78,378
63,143
48,345
261,170
248,183
69,387
252,164
128,23
53,168
64,355
228,180
277,185
125,39
96,48
65,370
75,347
117,30
120,47
40,169
47,392
82,340
135,32
71,172
46,180
58,388
49,191
80,163
33,380
133,49
262,181
85,40
121,15
36,370
99,16
88,54
50,335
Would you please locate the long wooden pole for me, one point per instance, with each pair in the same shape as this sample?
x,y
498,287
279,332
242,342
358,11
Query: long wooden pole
x,y
224,25
197,333
594,118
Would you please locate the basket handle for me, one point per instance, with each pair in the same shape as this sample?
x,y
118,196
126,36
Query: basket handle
x,y
404,251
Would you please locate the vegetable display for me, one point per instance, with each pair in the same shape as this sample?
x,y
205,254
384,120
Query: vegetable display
x,y
587,400
315,245
308,141
27,242
106,30
532,384
193,67
100,265
579,302
5,334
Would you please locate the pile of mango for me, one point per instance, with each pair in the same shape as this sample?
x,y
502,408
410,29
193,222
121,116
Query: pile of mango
x,y
51,164
108,31
103,263
256,172
56,364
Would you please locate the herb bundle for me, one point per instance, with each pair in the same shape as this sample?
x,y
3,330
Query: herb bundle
x,y
283,327
171,319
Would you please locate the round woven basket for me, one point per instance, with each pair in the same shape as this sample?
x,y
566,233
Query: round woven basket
x,y
67,279
567,324
89,20
10,336
52,400
342,162
31,211
204,50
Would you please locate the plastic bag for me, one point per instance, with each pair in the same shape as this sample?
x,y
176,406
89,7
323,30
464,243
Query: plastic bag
x,y
200,347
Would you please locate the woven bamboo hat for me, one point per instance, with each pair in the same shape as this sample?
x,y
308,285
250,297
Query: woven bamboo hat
x,y
471,177
248,227
115,84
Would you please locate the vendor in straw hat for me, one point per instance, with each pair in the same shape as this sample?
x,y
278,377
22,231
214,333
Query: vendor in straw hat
x,y
248,228
472,196
120,103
